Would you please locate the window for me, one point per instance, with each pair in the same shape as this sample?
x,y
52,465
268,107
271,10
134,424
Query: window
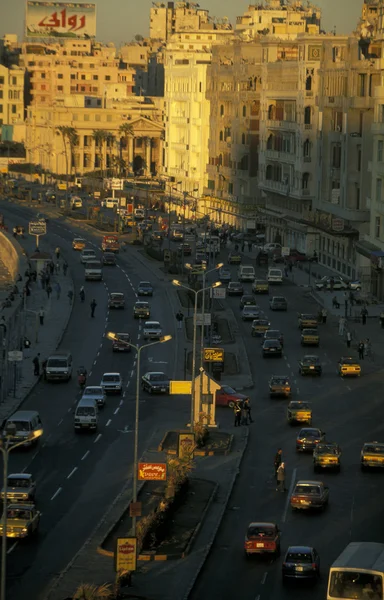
x,y
361,84
1,94
107,78
42,75
379,185
200,87
308,83
243,138
244,111
307,149
380,146
73,76
377,226
1,80
97,117
336,156
357,199
305,181
95,77
60,88
221,110
359,158
1,108
14,81
60,76
14,109
82,77
86,117
87,140
307,115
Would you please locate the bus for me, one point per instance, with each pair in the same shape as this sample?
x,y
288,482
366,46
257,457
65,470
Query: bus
x,y
357,574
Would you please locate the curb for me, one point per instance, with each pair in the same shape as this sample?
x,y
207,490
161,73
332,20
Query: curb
x,y
224,508
172,452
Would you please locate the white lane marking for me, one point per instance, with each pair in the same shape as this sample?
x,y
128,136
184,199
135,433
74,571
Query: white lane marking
x,y
90,373
288,365
98,354
257,597
60,422
132,372
298,390
94,362
72,472
117,410
85,455
108,422
97,439
121,402
134,364
101,345
69,409
264,579
11,549
56,493
128,382
349,388
293,480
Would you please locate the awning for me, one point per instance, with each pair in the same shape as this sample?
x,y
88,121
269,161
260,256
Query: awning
x,y
369,250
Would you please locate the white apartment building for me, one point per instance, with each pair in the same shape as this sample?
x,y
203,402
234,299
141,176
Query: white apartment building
x,y
12,99
173,17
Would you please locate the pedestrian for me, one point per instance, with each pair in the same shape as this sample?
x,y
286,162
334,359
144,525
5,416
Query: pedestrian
x,y
243,246
244,415
335,302
49,290
42,278
58,290
341,325
324,315
382,319
290,266
70,296
281,478
57,268
237,411
51,268
65,268
36,364
286,271
41,315
368,348
249,246
248,408
351,298
179,318
364,315
349,339
331,284
82,294
278,460
93,307
57,252
361,350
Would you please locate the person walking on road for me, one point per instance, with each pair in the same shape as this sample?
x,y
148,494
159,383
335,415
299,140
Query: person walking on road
x,y
82,294
93,307
382,319
341,326
36,364
364,315
70,296
248,409
41,315
58,290
249,246
361,350
281,478
179,319
49,290
237,411
57,252
324,315
57,268
349,339
368,348
65,268
278,460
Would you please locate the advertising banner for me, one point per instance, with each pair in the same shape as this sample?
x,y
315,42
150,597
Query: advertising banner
x,y
126,554
152,471
60,20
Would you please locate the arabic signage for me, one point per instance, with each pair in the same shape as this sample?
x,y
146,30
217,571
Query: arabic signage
x,y
200,317
15,356
285,251
338,225
126,554
186,445
213,355
218,293
180,387
37,227
152,471
60,20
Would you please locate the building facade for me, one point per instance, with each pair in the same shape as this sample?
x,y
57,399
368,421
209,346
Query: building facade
x,y
169,18
12,99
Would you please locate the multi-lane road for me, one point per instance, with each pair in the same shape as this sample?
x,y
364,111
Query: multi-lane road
x,y
78,476
349,411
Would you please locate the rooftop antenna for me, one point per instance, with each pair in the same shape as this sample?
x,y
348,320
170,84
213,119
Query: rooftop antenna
x,y
334,30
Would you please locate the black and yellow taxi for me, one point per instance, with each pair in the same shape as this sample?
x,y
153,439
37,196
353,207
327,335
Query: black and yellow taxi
x,y
260,286
280,385
372,455
78,244
348,367
299,411
327,455
234,258
310,337
307,321
310,365
260,326
141,310
22,520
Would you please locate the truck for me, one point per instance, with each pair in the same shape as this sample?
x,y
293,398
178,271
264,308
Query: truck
x,y
110,243
93,271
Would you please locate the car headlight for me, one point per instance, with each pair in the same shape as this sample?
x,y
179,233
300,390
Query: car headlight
x,y
24,530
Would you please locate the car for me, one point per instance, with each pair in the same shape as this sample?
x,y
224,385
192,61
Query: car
x,y
145,289
355,285
260,286
299,411
235,288
272,247
116,300
78,244
326,455
224,275
112,383
307,321
309,494
152,330
296,256
262,538
227,396
372,455
41,217
310,365
278,303
250,312
23,520
234,258
96,393
158,236
21,487
274,334
301,562
260,326
308,438
272,348
141,310
155,382
87,255
280,385
325,283
247,300
309,337
348,367
121,343
185,249
109,259
176,235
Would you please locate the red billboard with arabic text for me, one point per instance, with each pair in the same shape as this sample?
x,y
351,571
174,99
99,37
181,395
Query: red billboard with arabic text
x,y
152,471
60,20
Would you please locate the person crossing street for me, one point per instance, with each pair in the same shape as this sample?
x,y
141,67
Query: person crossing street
x,y
281,478
237,411
179,319
93,307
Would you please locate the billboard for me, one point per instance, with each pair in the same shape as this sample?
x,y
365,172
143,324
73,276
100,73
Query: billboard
x,y
60,20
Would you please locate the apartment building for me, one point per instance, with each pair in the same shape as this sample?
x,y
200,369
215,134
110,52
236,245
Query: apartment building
x,y
146,58
12,99
174,17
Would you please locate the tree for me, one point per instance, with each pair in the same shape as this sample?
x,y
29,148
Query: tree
x,y
70,140
100,136
88,591
110,139
126,131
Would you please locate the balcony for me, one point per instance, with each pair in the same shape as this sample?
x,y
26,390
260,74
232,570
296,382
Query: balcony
x,y
361,102
274,186
178,146
349,214
280,156
307,159
308,126
288,125
179,120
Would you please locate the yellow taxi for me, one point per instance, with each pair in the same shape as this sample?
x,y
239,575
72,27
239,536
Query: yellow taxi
x,y
22,520
326,455
260,286
372,455
260,326
348,367
78,244
279,385
299,412
310,337
307,321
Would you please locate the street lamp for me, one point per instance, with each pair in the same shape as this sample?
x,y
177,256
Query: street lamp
x,y
6,447
114,336
196,292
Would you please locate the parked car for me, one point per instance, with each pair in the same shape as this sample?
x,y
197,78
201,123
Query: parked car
x,y
227,396
325,282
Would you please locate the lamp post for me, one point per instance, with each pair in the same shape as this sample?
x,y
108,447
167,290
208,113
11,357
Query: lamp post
x,y
114,336
196,292
6,447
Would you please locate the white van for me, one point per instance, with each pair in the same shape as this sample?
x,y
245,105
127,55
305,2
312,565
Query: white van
x,y
23,424
93,271
59,367
246,273
86,414
275,276
139,213
110,202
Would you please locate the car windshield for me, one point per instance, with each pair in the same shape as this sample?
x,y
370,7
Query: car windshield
x,y
310,332
309,433
18,425
280,380
347,361
123,337
299,557
273,333
278,299
235,284
326,449
158,377
261,282
16,513
111,378
352,584
228,390
145,284
374,448
92,391
299,406
312,490
271,343
261,531
117,296
248,299
85,411
57,362
308,317
310,360
152,326
18,483
250,308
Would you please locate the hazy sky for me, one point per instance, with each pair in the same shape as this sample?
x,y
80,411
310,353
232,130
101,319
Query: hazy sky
x,y
119,20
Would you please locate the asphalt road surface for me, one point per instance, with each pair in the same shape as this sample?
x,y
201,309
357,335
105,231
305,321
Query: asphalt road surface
x,y
79,475
349,411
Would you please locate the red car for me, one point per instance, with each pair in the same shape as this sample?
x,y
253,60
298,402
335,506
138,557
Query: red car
x,y
227,396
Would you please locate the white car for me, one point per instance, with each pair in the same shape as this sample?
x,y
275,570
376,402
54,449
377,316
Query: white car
x,y
111,383
95,392
152,330
87,255
325,282
271,246
355,285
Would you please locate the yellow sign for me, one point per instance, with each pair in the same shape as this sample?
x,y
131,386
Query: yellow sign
x,y
186,445
61,186
213,354
126,554
180,387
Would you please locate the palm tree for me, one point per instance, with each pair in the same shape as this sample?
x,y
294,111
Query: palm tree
x,y
126,131
100,136
110,139
88,591
70,139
